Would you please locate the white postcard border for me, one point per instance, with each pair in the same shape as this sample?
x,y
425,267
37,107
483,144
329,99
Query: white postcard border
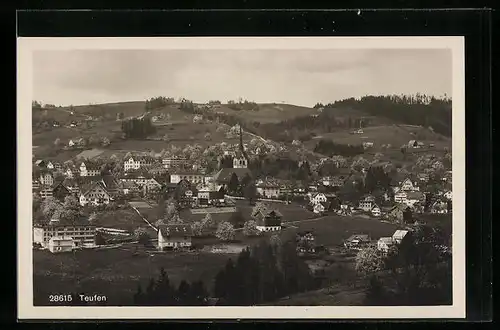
x,y
26,310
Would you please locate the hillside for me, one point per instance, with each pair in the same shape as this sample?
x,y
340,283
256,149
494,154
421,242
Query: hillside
x,y
268,112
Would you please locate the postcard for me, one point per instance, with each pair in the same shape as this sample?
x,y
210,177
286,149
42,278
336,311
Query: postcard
x,y
215,178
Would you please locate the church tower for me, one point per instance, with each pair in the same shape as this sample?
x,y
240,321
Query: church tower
x,y
240,160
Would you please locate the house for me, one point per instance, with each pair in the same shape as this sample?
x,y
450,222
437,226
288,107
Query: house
x,y
72,186
367,145
268,220
357,242
384,244
448,194
320,208
46,179
46,192
110,183
89,169
94,194
41,163
177,236
35,184
400,197
76,142
400,213
305,242
190,176
400,235
415,144
440,206
157,170
137,162
268,188
70,172
60,191
128,187
408,185
173,162
345,209
50,166
316,198
60,244
367,203
81,232
376,212
413,197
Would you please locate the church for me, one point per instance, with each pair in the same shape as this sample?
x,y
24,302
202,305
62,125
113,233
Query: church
x,y
240,167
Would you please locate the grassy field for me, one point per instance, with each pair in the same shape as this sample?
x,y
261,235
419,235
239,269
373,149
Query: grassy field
x,y
396,135
116,273
269,112
333,230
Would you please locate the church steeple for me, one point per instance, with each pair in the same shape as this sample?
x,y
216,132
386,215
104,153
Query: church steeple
x,y
241,159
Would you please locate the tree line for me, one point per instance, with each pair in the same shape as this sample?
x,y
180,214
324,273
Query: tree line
x,y
330,148
419,109
136,128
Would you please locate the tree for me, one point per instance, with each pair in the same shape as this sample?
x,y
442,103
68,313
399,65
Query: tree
x,y
234,184
250,192
225,231
237,219
250,228
37,202
208,221
51,207
142,236
369,261
197,228
71,208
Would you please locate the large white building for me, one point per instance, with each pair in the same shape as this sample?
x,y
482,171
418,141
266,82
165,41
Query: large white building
x,y
81,234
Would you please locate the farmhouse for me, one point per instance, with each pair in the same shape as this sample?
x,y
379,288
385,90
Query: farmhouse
x,y
357,242
94,194
384,244
128,187
268,188
367,203
413,197
174,237
376,212
400,235
316,198
408,185
80,231
46,192
440,206
321,207
400,212
89,169
268,220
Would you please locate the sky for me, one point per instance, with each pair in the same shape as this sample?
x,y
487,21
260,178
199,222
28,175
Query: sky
x,y
300,77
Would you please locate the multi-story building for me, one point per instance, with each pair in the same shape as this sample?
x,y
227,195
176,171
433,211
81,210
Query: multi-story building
x,y
137,162
82,233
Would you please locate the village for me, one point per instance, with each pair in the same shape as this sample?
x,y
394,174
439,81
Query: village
x,y
219,198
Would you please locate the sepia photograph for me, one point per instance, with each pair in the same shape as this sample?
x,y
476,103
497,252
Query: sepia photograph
x,y
323,177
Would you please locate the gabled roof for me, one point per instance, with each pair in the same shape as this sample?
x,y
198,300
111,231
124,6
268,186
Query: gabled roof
x,y
362,237
87,188
179,230
224,175
399,234
386,240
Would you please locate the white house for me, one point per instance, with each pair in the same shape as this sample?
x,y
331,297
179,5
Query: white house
x,y
174,236
317,198
135,163
448,195
408,185
50,166
367,203
400,197
268,189
194,178
88,170
47,179
376,212
173,161
399,235
384,244
96,194
60,244
319,208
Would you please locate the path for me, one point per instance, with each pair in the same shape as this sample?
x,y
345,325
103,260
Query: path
x,y
139,213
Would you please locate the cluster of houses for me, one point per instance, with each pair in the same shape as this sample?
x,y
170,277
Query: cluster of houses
x,y
360,241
